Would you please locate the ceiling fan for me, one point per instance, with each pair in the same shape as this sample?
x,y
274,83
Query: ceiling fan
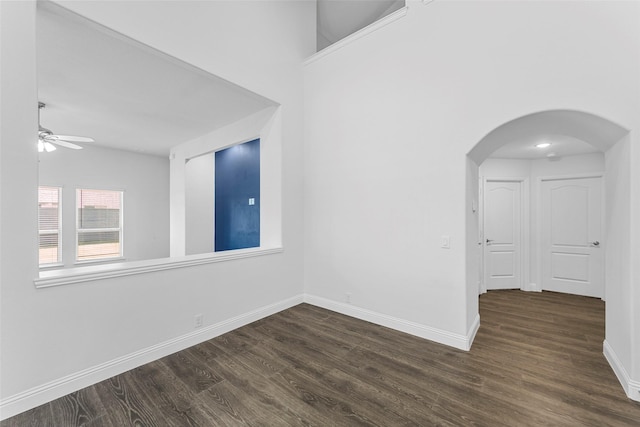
x,y
47,139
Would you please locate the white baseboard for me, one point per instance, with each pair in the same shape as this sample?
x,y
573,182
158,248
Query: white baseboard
x,y
631,387
471,333
47,392
532,287
462,342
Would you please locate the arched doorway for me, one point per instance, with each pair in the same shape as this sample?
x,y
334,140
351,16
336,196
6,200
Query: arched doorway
x,y
570,133
528,154
599,135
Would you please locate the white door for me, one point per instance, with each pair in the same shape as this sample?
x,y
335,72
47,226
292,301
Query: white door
x,y
571,240
503,234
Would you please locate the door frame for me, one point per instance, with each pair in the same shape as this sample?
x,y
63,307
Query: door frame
x,y
525,233
539,248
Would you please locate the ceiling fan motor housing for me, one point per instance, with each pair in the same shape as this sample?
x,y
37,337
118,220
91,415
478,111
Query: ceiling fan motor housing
x,y
47,136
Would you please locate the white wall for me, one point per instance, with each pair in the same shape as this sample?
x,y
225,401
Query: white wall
x,y
473,237
506,168
634,255
559,166
619,321
199,213
390,118
185,190
384,159
534,170
144,180
568,165
57,339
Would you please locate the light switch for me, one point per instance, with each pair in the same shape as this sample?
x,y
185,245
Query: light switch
x,y
446,242
252,201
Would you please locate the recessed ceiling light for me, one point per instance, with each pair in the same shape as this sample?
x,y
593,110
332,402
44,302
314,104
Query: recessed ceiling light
x,y
543,145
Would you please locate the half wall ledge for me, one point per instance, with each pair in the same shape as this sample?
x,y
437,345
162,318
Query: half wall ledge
x,y
70,276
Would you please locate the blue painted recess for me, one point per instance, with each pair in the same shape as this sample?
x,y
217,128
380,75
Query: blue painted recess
x,y
237,186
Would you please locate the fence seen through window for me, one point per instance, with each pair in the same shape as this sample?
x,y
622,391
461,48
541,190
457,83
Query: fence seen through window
x,y
99,224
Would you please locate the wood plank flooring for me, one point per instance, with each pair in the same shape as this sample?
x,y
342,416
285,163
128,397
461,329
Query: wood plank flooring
x,y
536,361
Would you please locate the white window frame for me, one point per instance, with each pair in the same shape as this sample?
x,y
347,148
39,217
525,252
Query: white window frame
x,y
59,260
120,230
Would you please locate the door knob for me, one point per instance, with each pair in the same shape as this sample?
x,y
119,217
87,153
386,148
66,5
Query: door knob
x,y
596,243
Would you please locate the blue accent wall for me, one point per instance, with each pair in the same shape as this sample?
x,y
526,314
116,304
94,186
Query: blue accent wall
x,y
237,180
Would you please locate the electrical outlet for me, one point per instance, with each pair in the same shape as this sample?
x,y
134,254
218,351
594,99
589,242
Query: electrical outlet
x,y
199,320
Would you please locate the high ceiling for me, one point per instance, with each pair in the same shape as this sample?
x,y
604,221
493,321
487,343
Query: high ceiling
x,y
128,96
123,94
338,19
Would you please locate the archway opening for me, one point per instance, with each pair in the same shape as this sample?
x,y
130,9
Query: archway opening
x,y
568,131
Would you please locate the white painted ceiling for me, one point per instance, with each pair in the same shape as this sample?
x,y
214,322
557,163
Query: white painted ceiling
x,y
126,95
524,147
569,132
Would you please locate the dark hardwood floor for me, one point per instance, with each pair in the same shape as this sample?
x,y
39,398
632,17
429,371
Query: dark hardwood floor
x,y
536,361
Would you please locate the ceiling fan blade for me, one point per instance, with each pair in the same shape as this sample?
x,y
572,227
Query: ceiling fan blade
x,y
70,138
62,143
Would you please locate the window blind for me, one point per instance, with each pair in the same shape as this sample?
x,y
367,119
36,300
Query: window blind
x,y
49,250
99,224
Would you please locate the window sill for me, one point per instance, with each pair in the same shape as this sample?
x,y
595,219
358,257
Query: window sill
x,y
61,277
51,266
100,261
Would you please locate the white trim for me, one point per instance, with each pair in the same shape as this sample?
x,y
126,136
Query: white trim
x,y
473,330
99,261
573,176
47,392
400,13
538,248
631,387
526,232
532,287
45,267
462,342
482,287
106,271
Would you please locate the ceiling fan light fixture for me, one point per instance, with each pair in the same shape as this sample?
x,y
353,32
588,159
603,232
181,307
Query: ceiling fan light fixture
x,y
45,146
49,147
543,145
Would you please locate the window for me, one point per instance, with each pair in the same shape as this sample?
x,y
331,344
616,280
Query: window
x,y
99,224
49,224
